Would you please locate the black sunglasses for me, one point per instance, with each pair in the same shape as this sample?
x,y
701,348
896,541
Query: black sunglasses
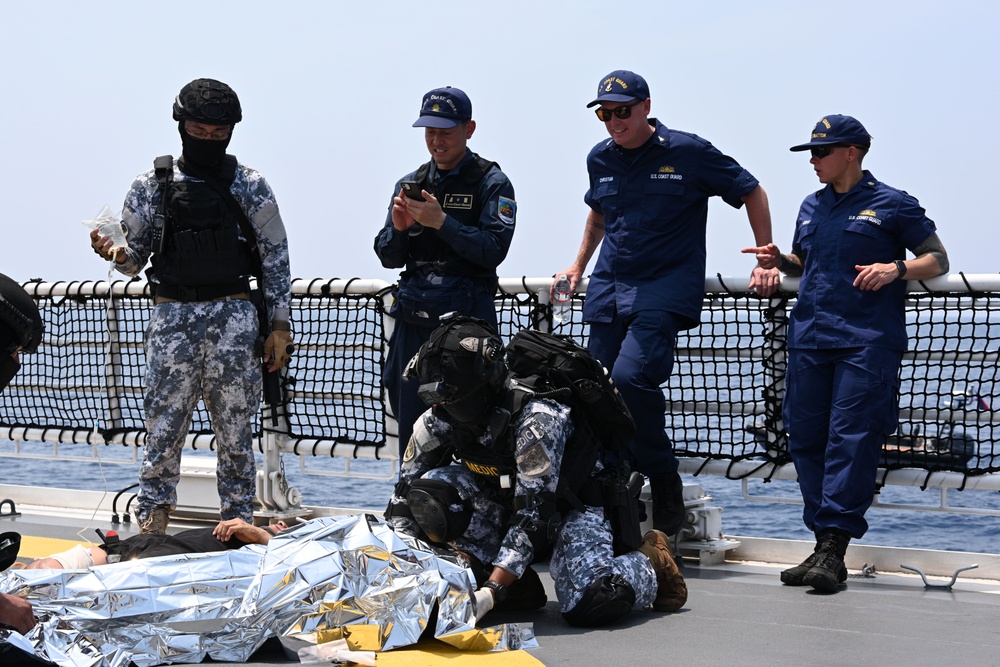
x,y
820,152
623,112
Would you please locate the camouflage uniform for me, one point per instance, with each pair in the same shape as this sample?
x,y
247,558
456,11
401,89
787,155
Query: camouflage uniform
x,y
205,350
582,552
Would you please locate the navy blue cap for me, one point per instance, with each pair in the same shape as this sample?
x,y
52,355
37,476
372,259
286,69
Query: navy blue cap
x,y
621,86
444,107
837,129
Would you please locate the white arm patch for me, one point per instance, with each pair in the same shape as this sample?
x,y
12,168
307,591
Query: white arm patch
x,y
531,456
426,437
268,223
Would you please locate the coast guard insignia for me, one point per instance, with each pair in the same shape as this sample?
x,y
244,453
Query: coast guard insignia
x,y
506,209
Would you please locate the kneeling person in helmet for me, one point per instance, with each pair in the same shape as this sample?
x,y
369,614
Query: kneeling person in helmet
x,y
481,475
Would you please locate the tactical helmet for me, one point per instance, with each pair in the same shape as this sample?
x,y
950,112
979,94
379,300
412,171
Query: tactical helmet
x,y
461,368
20,322
208,101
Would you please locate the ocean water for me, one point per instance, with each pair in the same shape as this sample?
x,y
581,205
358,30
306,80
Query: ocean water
x,y
915,529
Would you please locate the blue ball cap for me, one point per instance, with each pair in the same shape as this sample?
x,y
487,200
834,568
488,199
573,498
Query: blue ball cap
x,y
621,86
443,108
837,129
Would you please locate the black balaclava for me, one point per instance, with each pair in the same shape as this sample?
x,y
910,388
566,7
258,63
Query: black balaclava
x,y
204,153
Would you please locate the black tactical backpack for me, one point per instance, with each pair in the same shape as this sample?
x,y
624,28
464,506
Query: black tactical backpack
x,y
558,367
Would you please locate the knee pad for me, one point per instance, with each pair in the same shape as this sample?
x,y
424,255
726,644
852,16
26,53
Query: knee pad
x,y
605,601
438,510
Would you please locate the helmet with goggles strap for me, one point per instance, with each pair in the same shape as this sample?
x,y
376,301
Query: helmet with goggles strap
x,y
461,368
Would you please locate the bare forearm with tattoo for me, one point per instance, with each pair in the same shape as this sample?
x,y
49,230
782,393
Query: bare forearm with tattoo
x,y
790,265
933,248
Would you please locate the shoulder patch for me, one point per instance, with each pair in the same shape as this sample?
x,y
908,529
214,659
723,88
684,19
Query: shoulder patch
x,y
507,209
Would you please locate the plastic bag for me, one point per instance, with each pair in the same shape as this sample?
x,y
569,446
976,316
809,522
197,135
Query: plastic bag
x,y
108,224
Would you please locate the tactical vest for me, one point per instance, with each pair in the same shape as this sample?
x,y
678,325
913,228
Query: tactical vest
x,y
492,462
461,199
203,256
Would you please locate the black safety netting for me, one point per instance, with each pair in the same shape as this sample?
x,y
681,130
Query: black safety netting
x,y
723,400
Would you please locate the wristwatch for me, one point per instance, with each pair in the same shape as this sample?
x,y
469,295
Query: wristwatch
x,y
499,591
901,266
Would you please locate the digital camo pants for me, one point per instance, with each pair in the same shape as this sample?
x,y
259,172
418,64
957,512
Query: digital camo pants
x,y
582,554
198,351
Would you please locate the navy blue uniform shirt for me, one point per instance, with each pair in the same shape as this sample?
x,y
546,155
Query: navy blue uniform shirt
x,y
485,244
654,200
872,223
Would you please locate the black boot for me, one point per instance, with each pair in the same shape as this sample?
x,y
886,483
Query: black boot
x,y
795,576
667,493
829,571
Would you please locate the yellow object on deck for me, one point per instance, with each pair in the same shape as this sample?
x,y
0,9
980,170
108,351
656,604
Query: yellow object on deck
x,y
42,547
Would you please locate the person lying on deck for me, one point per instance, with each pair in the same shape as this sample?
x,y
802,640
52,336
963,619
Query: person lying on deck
x,y
229,534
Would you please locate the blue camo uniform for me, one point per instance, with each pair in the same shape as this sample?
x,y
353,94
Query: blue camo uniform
x,y
583,549
453,269
837,421
205,349
649,279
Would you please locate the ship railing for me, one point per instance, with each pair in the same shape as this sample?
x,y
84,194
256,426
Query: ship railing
x,y
723,402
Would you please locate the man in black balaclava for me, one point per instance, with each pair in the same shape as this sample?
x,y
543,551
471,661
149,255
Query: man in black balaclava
x,y
206,223
20,331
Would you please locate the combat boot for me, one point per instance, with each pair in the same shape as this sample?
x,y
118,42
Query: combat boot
x,y
671,590
155,522
794,576
829,570
667,493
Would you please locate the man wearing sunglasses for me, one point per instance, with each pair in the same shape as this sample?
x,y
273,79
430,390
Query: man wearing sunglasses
x,y
449,226
648,197
846,336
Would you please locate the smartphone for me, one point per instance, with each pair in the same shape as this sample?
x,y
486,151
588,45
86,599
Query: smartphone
x,y
412,190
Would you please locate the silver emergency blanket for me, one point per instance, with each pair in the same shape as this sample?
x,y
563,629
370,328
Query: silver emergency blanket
x,y
333,578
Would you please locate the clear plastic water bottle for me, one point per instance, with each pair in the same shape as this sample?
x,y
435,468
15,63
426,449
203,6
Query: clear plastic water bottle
x,y
562,296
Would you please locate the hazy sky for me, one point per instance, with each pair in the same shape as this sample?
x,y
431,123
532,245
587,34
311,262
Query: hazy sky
x,y
330,90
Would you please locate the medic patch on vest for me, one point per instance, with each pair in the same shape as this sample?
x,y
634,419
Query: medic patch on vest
x,y
480,469
457,201
506,209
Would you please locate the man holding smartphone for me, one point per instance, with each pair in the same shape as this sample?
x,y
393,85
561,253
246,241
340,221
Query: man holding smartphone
x,y
449,226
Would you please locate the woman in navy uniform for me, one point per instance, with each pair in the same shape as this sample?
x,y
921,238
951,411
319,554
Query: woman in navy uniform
x,y
846,336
